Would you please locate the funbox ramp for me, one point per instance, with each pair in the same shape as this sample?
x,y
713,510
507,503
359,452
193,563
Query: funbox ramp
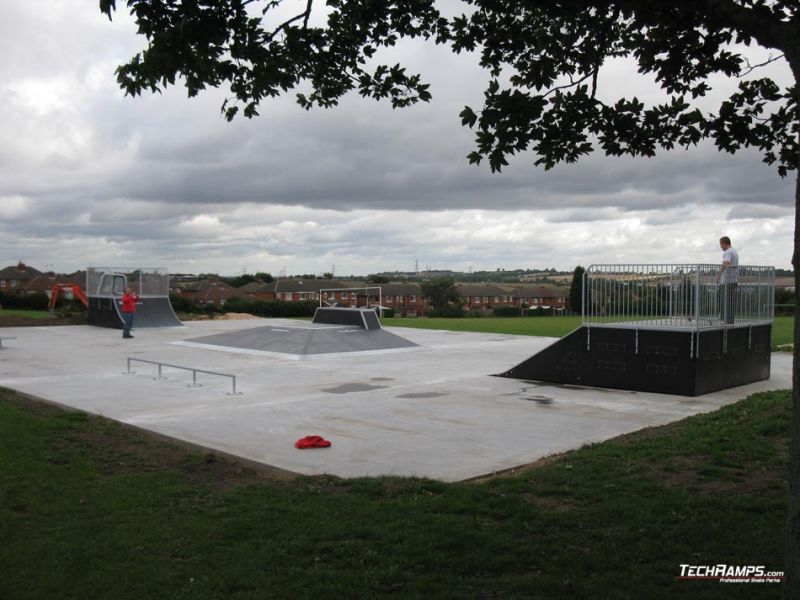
x,y
687,363
359,317
150,312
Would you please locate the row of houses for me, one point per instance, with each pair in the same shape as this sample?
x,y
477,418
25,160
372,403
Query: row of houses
x,y
21,278
405,298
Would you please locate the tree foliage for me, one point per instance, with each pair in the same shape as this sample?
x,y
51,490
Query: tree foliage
x,y
576,290
544,61
440,292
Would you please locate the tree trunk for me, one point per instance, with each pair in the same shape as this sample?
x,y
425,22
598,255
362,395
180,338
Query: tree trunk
x,y
792,582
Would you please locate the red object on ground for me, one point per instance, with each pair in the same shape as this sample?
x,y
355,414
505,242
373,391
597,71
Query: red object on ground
x,y
312,441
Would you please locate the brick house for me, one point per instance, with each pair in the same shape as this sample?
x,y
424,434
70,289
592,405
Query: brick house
x,y
484,297
542,297
16,278
405,298
43,283
258,290
296,289
205,291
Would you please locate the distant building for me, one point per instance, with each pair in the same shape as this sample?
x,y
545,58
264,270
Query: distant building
x,y
484,297
16,278
543,297
405,299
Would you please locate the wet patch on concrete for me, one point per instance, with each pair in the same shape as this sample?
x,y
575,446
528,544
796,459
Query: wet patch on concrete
x,y
423,395
381,379
347,388
543,400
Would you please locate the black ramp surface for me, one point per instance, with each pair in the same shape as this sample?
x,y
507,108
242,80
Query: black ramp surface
x,y
150,312
681,362
307,340
359,317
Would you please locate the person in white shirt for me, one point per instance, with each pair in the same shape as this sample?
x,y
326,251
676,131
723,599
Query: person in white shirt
x,y
728,278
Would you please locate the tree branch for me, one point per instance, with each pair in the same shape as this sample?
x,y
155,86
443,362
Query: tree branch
x,y
303,15
751,68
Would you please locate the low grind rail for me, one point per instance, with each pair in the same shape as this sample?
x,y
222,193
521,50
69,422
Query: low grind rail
x,y
192,369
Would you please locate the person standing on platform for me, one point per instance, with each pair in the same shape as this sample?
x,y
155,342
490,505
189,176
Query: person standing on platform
x,y
728,278
129,300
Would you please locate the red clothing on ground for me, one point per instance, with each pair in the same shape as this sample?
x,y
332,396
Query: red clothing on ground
x,y
129,302
312,441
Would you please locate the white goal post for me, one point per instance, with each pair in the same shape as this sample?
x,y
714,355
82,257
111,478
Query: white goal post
x,y
327,297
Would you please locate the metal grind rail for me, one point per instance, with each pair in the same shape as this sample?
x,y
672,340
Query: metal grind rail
x,y
194,371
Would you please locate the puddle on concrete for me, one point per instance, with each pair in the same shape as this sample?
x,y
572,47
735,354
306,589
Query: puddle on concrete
x,y
347,388
381,379
543,400
423,395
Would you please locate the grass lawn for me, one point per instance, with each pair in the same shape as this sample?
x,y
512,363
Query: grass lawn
x,y
782,329
540,326
21,312
90,509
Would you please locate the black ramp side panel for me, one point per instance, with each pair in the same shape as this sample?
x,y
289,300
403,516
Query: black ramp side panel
x,y
558,363
155,312
681,362
103,312
358,317
150,312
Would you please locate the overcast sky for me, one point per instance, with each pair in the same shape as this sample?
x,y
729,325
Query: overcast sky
x,y
90,177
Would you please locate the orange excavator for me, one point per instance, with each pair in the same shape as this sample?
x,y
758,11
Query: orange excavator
x,y
58,289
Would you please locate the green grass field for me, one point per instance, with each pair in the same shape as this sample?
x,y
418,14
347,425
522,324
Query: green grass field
x,y
90,509
782,329
20,312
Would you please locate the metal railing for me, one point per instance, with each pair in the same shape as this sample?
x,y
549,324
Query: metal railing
x,y
677,296
192,369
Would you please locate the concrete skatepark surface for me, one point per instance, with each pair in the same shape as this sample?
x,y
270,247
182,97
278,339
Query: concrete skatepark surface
x,y
433,410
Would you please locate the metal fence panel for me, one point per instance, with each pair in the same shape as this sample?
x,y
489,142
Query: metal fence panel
x,y
677,296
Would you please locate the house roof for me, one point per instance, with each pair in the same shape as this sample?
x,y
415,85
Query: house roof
x,y
45,281
307,285
401,289
470,289
255,287
540,291
19,272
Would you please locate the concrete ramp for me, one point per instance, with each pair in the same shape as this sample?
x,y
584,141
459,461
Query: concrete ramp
x,y
304,341
150,312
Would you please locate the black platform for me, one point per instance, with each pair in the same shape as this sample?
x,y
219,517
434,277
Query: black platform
x,y
682,362
104,311
360,317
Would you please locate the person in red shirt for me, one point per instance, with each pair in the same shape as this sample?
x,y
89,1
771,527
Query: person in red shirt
x,y
129,300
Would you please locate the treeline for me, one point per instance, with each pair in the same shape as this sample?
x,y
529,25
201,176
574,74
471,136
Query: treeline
x,y
259,308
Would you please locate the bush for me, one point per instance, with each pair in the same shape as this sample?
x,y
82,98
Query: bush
x,y
388,313
539,312
449,311
181,304
38,301
506,311
271,308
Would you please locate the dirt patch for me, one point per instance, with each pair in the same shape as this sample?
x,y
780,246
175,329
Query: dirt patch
x,y
235,317
682,472
20,321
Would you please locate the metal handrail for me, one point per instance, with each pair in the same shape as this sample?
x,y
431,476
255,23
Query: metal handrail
x,y
676,296
192,369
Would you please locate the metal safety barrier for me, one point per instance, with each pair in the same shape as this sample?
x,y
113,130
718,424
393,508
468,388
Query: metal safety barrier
x,y
192,369
677,296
